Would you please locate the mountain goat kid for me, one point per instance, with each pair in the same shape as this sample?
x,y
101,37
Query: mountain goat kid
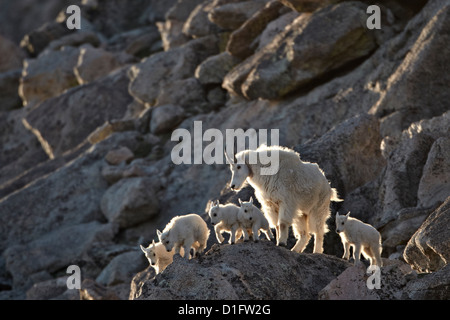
x,y
224,218
158,257
297,194
361,236
188,231
252,218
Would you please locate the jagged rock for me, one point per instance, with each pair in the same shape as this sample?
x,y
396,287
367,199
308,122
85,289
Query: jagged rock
x,y
433,286
266,272
302,54
54,250
241,43
352,283
75,39
429,248
140,42
36,41
149,78
231,16
197,24
405,91
66,197
349,154
9,82
215,68
94,63
187,93
130,201
398,232
307,5
122,268
19,148
165,118
11,55
78,112
48,75
434,186
117,156
91,290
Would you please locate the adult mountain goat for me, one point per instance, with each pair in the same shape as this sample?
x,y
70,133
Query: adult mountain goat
x,y
298,194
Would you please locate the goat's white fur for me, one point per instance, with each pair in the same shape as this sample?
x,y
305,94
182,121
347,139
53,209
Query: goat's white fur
x,y
361,236
250,217
185,231
158,257
298,194
224,218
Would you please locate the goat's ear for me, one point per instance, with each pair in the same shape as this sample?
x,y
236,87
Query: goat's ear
x,y
228,157
217,202
240,201
153,242
158,233
143,248
251,200
337,214
348,214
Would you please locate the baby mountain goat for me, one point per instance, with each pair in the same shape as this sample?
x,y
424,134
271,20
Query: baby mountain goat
x,y
250,217
224,218
189,231
158,257
361,236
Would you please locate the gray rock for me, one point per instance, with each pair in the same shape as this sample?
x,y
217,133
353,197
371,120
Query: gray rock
x,y
49,75
433,286
150,77
215,68
94,63
301,54
54,250
122,268
11,55
166,118
349,153
307,5
242,40
429,248
197,24
231,16
130,201
243,271
9,82
352,283
78,112
434,186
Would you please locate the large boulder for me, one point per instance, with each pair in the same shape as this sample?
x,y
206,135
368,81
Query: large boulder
x,y
151,76
130,201
48,75
309,48
243,271
78,112
429,248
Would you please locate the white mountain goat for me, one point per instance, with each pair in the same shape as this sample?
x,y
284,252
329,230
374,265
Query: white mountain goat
x,y
185,231
361,236
298,194
224,218
252,218
158,257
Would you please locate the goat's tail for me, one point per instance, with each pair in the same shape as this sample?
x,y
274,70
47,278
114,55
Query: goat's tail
x,y
335,196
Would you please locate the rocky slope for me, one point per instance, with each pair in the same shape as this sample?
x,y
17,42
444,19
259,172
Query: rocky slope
x,y
86,116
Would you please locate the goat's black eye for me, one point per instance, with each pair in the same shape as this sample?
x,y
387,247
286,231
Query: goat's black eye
x,y
245,210
238,167
167,241
342,223
214,215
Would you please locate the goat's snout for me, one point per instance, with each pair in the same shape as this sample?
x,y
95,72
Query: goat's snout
x,y
250,218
